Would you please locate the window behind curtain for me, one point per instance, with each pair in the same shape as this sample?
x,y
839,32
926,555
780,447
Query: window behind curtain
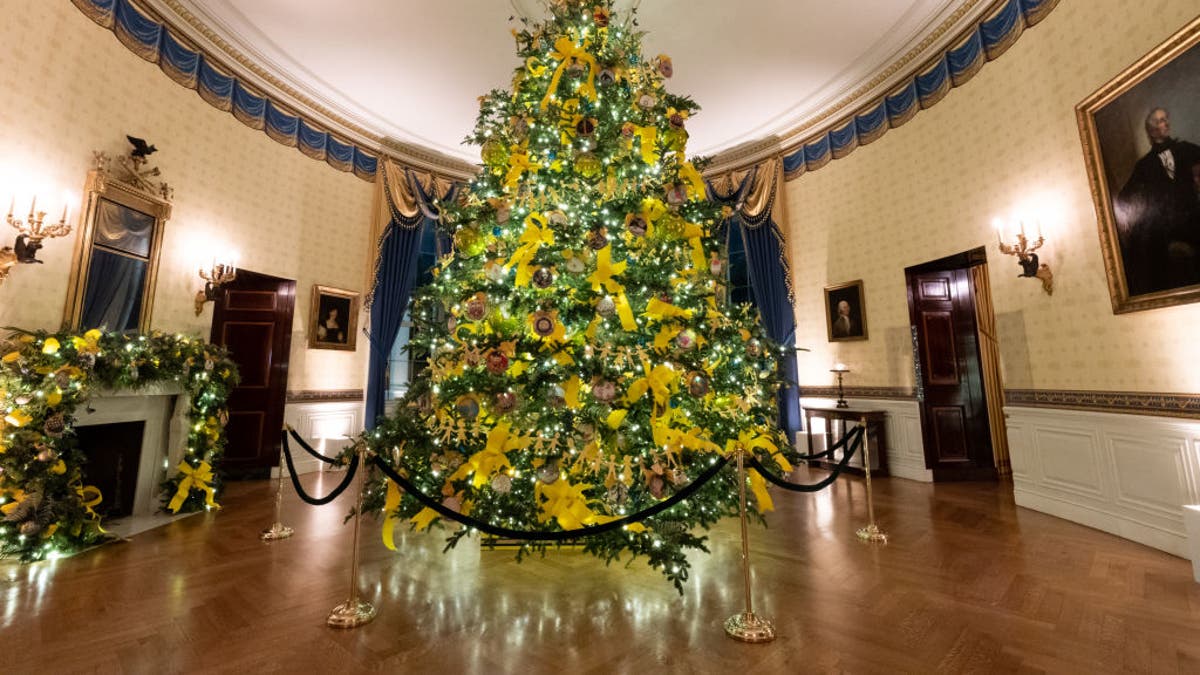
x,y
403,366
738,273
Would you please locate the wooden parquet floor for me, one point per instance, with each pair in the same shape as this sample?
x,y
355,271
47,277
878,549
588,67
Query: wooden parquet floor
x,y
970,583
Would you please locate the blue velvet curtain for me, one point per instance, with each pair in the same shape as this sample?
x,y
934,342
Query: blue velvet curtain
x,y
395,277
769,275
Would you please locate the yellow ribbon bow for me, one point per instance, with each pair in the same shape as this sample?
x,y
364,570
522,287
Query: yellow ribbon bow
x,y
748,441
197,478
659,311
518,164
565,503
89,496
648,140
566,51
695,183
537,234
485,464
390,504
602,278
660,380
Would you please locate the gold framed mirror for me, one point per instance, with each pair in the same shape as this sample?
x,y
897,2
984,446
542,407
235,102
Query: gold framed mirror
x,y
115,265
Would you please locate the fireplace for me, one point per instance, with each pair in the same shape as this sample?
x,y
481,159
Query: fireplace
x,y
131,441
113,453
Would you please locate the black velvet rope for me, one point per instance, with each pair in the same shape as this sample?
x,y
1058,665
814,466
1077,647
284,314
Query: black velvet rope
x,y
856,434
308,448
563,535
315,501
797,457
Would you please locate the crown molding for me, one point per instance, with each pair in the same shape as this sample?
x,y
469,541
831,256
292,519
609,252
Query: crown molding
x,y
871,85
190,22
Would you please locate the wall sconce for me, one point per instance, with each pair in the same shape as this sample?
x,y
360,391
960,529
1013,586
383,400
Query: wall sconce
x,y
218,274
1026,258
30,233
841,370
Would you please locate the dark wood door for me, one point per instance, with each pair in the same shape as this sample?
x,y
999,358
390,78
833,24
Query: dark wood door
x,y
253,319
954,416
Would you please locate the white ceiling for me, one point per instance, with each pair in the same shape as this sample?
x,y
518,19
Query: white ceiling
x,y
412,70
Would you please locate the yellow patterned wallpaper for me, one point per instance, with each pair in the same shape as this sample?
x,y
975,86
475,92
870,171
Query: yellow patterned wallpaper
x,y
70,87
1005,143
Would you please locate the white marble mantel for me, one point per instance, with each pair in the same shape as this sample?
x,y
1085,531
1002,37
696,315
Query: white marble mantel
x,y
164,409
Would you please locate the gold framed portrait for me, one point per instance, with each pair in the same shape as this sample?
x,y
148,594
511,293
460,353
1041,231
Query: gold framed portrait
x,y
1141,144
333,318
846,311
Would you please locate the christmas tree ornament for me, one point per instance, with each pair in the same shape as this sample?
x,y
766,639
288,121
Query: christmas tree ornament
x,y
676,194
497,362
452,323
520,128
664,65
647,101
617,495
676,139
698,383
628,130
607,77
587,432
588,165
453,503
469,241
495,271
543,277
676,120
754,348
636,225
586,127
543,323
556,396
606,306
686,339
494,154
505,402
477,307
467,407
601,16
604,390
557,219
55,425
502,483
598,238
548,473
715,265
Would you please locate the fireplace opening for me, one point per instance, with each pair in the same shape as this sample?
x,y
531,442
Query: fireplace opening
x,y
113,452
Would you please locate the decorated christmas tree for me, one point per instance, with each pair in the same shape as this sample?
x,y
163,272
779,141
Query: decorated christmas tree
x,y
583,363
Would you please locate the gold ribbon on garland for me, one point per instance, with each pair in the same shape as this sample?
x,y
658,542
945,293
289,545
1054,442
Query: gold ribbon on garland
x,y
537,234
602,278
660,380
565,51
197,478
518,164
565,503
486,463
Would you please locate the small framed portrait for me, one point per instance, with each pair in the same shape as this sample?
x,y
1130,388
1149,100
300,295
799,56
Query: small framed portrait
x,y
846,311
333,319
1141,143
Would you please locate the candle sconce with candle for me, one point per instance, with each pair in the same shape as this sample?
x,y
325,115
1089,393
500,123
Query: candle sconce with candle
x,y
840,369
30,233
1031,267
215,276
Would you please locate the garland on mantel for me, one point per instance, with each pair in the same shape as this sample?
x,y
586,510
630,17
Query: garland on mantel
x,y
46,509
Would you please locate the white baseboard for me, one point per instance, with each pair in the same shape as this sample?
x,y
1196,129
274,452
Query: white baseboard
x,y
1128,475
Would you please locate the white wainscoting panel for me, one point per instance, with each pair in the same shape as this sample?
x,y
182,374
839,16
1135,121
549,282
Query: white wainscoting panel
x,y
326,426
1129,475
906,449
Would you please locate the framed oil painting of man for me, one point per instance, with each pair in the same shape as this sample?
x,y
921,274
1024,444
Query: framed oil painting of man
x,y
333,318
846,312
1141,142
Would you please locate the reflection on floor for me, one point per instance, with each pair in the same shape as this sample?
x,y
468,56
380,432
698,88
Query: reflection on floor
x,y
969,583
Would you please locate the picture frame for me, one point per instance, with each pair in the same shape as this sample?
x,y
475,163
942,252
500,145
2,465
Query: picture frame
x,y
333,318
846,311
1141,145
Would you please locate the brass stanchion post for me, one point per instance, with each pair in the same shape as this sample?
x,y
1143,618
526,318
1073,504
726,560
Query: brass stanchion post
x,y
278,530
355,611
746,626
871,532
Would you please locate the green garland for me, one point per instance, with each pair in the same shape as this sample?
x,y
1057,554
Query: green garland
x,y
46,510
